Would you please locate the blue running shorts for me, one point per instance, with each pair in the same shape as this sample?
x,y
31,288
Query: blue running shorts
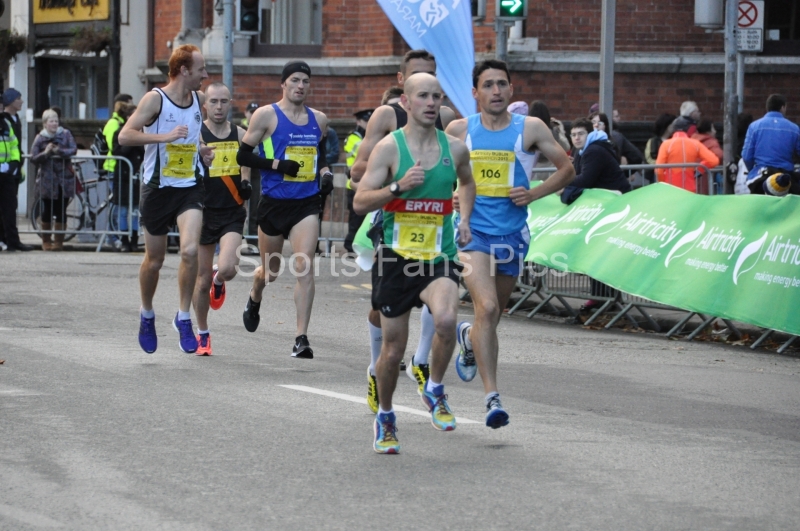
x,y
508,251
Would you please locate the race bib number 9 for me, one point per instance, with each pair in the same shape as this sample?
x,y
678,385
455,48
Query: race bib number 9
x,y
417,236
306,156
493,172
224,162
181,161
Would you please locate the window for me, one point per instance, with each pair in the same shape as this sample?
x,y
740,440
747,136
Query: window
x,y
781,27
289,28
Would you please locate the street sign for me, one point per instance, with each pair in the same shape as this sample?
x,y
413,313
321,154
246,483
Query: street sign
x,y
511,9
750,33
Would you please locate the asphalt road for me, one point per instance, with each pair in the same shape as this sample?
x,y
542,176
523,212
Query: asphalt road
x,y
609,430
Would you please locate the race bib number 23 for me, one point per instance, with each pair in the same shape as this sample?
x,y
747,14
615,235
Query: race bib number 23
x,y
306,156
417,236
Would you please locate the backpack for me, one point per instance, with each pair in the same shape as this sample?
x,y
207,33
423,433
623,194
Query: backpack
x,y
99,147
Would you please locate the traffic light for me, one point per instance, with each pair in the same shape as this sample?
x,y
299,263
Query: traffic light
x,y
249,16
511,9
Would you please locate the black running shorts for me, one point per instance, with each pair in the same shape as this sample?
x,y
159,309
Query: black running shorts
x,y
397,282
277,217
217,222
159,208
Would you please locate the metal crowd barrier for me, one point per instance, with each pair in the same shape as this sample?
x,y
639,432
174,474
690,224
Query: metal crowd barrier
x,y
90,212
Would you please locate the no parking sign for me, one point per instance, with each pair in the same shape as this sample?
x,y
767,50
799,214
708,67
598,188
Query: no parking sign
x,y
750,30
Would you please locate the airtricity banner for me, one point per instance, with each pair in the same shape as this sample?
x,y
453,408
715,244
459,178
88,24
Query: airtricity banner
x,y
729,256
444,28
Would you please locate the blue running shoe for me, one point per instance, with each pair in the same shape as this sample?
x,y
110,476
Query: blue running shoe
x,y
386,434
465,361
496,416
147,334
188,341
436,402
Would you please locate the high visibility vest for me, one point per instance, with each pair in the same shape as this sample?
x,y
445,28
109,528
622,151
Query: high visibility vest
x,y
111,127
9,145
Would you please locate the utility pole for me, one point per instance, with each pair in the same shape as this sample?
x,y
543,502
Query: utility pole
x,y
608,30
225,9
731,100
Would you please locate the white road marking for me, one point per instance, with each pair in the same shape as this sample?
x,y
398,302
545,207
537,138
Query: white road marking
x,y
362,400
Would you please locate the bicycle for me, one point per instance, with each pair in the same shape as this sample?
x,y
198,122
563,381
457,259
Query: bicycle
x,y
81,211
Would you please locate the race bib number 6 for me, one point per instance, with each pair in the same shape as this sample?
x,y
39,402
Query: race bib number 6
x,y
306,156
181,161
493,172
224,162
417,236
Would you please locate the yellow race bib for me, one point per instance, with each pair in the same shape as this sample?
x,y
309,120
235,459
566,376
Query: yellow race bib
x,y
224,162
306,156
417,236
181,161
493,171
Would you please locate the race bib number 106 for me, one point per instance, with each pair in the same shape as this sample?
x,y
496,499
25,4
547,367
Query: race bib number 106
x,y
493,172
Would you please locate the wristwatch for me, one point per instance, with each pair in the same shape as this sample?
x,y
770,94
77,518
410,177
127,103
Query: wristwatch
x,y
395,189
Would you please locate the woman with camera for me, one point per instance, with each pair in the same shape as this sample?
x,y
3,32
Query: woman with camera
x,y
55,177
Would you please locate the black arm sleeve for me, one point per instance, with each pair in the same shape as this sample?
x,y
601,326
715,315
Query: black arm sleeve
x,y
246,157
322,156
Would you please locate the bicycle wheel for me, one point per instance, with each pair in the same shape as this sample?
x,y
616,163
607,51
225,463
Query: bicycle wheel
x,y
36,214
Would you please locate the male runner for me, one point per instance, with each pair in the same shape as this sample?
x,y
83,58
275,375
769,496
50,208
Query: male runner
x,y
167,123
226,190
501,149
384,120
291,146
411,176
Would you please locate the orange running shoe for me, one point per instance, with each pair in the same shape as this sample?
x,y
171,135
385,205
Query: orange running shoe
x,y
203,345
216,293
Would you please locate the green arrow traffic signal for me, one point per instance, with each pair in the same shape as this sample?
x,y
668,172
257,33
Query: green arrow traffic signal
x,y
514,9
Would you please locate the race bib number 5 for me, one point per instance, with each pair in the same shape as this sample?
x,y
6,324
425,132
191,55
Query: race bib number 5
x,y
306,156
417,236
493,172
181,161
224,159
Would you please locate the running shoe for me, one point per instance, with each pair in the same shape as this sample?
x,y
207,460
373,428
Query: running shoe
x,y
203,345
147,334
188,341
496,416
301,348
465,361
442,417
216,293
372,392
402,365
419,373
386,434
250,316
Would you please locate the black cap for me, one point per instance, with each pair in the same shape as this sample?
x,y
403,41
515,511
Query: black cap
x,y
364,114
252,106
295,66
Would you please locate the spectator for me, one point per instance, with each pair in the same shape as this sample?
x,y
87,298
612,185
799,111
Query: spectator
x,y
121,198
518,107
691,113
538,109
707,134
627,153
351,150
769,148
55,178
596,166
10,177
743,121
112,126
663,131
331,146
248,112
680,149
12,103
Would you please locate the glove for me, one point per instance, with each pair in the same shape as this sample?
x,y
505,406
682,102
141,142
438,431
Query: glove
x,y
326,184
289,167
245,190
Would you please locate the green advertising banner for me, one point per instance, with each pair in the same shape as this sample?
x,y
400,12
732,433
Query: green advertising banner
x,y
729,256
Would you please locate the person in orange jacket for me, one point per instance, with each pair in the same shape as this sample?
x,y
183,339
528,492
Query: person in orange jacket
x,y
680,149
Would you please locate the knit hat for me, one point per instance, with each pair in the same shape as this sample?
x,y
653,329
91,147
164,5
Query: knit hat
x,y
778,184
594,108
518,107
10,96
688,107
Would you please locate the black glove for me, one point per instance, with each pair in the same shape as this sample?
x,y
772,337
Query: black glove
x,y
13,167
288,167
326,184
245,190
571,194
